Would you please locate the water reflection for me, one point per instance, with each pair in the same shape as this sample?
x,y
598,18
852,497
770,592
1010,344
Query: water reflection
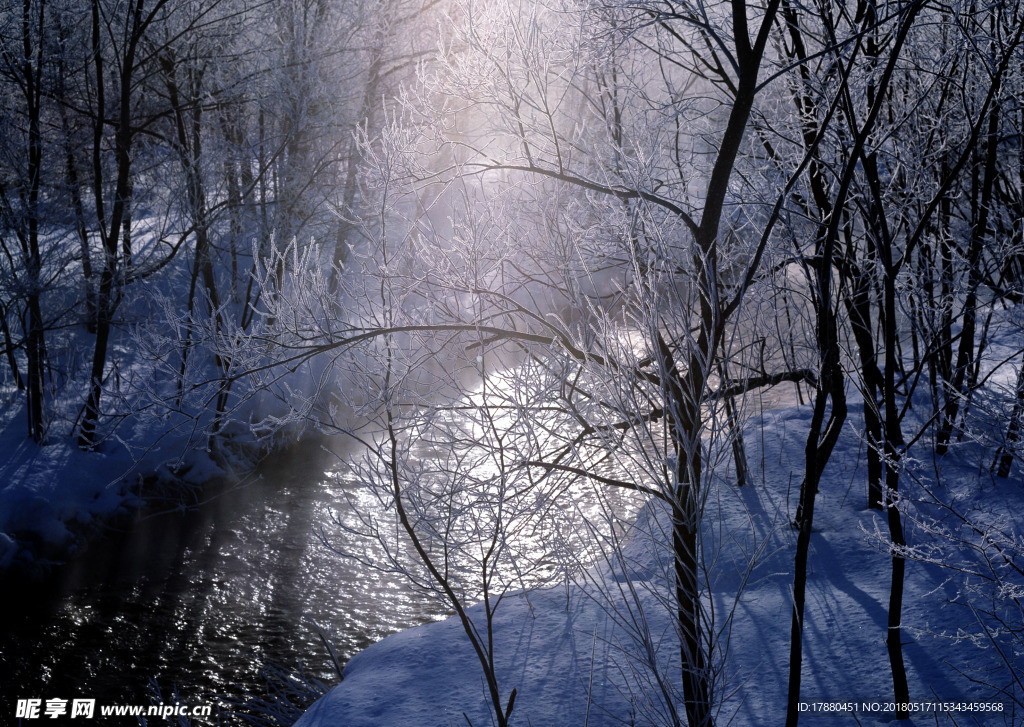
x,y
201,600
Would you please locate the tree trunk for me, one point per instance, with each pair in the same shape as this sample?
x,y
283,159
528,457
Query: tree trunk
x,y
35,347
1004,457
9,349
893,445
107,300
74,189
188,122
957,388
739,454
858,306
680,400
821,440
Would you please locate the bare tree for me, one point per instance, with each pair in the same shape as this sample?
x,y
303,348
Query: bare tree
x,y
635,274
24,55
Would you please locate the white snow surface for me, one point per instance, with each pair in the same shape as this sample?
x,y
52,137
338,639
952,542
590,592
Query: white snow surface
x,y
52,496
572,652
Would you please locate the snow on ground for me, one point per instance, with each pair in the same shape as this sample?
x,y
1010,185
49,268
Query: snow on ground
x,y
154,444
53,496
574,657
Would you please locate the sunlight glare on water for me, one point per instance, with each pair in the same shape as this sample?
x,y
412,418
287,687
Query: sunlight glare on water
x,y
202,601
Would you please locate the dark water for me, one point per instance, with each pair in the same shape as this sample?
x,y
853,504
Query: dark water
x,y
202,600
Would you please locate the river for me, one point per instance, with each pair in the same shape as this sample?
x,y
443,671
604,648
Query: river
x,y
202,600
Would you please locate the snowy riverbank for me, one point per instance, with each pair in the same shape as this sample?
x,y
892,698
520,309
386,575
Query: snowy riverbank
x,y
53,498
576,655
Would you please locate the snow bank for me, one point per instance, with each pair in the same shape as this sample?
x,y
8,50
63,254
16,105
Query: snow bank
x,y
430,675
576,654
53,496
